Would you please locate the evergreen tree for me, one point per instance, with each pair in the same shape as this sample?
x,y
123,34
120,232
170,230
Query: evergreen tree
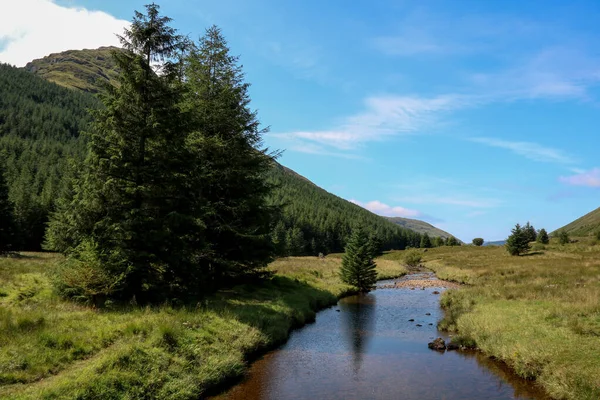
x,y
530,232
425,241
478,241
133,206
374,245
439,241
452,241
230,163
542,237
518,242
7,228
358,266
563,237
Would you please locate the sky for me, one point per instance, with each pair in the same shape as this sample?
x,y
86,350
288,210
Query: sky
x,y
470,115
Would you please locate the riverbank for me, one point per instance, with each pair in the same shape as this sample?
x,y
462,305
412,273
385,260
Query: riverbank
x,y
55,349
539,313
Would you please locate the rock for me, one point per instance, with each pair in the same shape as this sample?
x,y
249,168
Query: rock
x,y
452,346
438,344
411,320
419,325
431,323
436,292
428,313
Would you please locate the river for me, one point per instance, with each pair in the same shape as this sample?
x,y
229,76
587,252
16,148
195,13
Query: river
x,y
367,347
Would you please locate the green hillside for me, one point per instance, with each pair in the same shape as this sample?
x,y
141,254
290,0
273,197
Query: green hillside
x,y
87,70
39,135
586,225
419,226
38,150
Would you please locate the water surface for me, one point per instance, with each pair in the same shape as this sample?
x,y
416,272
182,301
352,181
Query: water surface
x,y
366,347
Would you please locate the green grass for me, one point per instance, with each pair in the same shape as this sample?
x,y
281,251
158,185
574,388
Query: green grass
x,y
52,349
589,224
539,313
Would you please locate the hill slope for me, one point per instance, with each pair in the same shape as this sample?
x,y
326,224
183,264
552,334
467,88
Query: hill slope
x,y
312,219
87,70
586,225
419,226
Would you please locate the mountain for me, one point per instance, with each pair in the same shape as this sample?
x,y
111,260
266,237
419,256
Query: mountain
x,y
87,70
419,226
495,243
38,151
586,225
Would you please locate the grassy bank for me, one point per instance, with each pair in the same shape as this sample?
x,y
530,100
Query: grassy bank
x,y
539,313
54,349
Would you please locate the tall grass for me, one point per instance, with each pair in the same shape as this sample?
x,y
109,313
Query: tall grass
x,y
539,313
51,349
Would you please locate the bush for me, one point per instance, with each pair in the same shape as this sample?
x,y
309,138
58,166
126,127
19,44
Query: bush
x,y
412,258
478,241
563,237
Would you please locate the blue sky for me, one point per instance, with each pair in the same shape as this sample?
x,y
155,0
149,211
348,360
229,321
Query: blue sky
x,y
472,115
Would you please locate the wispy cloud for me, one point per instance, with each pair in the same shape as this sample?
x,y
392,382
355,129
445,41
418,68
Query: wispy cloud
x,y
316,149
32,29
384,116
533,151
476,213
589,178
473,202
385,210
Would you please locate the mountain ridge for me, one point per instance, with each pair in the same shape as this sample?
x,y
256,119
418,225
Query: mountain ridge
x,y
587,224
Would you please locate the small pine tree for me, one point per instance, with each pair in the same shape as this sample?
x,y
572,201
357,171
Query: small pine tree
x,y
563,237
358,266
530,232
7,227
518,242
452,241
439,241
478,241
425,241
374,245
542,237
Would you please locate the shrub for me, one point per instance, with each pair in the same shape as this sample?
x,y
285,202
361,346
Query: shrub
x,y
478,241
563,237
412,258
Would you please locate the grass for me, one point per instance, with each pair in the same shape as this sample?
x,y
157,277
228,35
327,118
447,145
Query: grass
x,y
539,313
52,349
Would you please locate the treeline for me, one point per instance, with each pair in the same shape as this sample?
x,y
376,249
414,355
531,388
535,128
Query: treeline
x,y
40,124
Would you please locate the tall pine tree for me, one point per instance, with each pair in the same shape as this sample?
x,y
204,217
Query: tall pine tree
x,y
133,206
358,266
230,163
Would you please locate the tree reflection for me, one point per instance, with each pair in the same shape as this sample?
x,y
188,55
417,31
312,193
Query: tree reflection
x,y
358,316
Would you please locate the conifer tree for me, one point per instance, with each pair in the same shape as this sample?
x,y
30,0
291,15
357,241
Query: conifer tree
x,y
439,241
563,237
358,266
530,232
133,204
230,163
518,242
425,241
7,227
542,237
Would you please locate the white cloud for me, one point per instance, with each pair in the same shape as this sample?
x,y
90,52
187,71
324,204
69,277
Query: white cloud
x,y
380,208
530,150
589,178
31,29
384,116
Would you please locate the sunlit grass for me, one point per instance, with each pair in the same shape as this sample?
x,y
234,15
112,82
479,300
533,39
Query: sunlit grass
x,y
54,349
539,313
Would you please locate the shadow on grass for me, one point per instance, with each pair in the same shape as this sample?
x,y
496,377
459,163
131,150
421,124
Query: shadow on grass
x,y
532,253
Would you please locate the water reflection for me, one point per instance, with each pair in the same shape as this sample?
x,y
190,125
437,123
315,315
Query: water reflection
x,y
358,316
374,346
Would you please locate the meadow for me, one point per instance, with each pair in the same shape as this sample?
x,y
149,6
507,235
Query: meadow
x,y
538,313
55,349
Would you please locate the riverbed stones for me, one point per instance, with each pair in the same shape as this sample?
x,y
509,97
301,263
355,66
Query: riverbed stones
x,y
438,344
452,346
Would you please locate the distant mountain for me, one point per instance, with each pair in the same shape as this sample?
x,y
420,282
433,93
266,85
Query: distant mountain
x,y
495,243
419,226
87,70
586,225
